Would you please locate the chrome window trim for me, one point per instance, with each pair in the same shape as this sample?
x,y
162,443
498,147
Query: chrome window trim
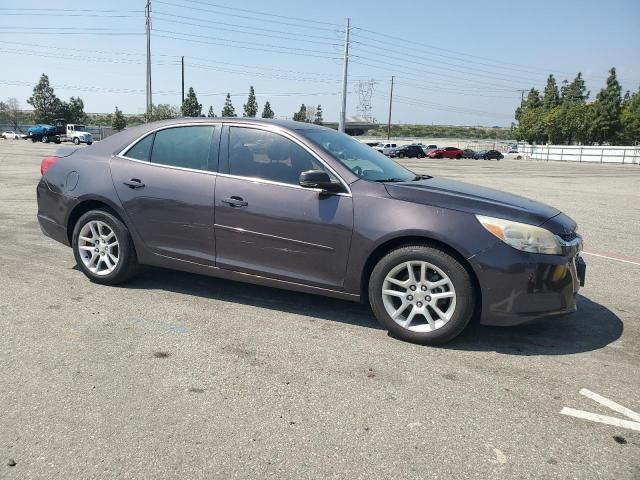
x,y
281,184
287,135
268,128
121,153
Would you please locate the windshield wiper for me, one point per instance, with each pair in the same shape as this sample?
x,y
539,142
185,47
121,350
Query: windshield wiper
x,y
391,180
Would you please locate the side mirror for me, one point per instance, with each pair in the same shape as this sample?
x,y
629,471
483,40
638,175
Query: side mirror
x,y
319,179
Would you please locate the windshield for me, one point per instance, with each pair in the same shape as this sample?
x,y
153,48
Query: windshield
x,y
362,160
78,128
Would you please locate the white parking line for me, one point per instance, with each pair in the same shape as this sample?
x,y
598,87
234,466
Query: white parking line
x,y
610,258
595,417
616,407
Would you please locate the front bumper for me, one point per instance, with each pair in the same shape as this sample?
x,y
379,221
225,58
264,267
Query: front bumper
x,y
519,287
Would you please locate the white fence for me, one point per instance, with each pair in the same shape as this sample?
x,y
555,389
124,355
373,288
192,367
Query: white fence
x,y
577,153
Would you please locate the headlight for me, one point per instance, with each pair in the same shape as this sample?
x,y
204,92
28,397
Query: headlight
x,y
522,236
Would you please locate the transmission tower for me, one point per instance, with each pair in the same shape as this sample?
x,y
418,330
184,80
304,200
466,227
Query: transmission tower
x,y
365,94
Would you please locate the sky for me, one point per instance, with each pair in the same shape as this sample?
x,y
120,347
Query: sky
x,y
455,62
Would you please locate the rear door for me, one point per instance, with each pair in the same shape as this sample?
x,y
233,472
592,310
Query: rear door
x,y
266,223
166,185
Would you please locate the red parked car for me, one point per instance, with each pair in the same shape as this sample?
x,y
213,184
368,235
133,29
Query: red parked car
x,y
449,152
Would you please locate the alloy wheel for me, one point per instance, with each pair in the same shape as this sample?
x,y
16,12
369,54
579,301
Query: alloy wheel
x,y
98,247
419,296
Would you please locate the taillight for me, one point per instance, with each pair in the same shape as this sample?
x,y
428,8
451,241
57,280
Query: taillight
x,y
46,163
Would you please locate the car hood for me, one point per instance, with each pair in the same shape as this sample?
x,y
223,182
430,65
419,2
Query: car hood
x,y
441,192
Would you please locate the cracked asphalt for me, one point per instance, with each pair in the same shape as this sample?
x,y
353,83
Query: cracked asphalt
x,y
182,376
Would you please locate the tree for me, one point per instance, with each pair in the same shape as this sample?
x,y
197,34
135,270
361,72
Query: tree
x,y
190,106
575,91
301,115
46,106
266,111
211,113
12,112
605,125
73,111
119,122
163,111
318,118
228,110
630,119
251,107
551,97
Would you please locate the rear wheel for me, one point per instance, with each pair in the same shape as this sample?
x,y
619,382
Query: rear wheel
x,y
422,294
103,248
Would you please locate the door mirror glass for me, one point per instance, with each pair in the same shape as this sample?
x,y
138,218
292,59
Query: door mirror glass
x,y
319,179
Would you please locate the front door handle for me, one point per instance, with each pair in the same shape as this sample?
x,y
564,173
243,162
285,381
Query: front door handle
x,y
134,183
235,201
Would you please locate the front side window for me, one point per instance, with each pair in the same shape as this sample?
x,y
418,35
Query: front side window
x,y
268,156
186,147
363,161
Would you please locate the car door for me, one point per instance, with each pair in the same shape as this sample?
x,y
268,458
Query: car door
x,y
166,187
266,223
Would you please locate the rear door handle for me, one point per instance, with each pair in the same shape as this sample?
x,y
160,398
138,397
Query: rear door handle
x,y
134,183
235,201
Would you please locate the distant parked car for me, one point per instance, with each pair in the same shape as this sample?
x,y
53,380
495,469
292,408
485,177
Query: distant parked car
x,y
512,149
386,148
449,152
11,135
467,153
488,155
410,151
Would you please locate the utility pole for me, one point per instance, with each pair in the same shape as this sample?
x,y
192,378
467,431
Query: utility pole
x,y
147,12
390,103
345,67
182,81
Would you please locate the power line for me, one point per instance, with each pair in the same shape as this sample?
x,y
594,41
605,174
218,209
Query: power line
x,y
262,35
244,16
256,12
269,30
254,47
455,52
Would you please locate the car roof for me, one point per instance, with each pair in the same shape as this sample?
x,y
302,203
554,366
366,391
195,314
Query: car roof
x,y
116,142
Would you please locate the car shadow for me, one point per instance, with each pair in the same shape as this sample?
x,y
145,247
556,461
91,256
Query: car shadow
x,y
276,299
592,327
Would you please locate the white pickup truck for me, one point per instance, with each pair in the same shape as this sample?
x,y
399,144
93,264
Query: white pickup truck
x,y
386,148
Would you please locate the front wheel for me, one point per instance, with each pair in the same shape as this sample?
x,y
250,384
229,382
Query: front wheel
x,y
76,141
103,248
422,294
45,139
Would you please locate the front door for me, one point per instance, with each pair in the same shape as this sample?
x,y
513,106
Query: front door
x,y
166,187
266,223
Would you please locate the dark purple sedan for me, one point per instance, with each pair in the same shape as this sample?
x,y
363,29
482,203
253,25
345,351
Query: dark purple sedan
x,y
303,207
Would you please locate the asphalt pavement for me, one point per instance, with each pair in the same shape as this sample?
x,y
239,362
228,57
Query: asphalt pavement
x,y
175,375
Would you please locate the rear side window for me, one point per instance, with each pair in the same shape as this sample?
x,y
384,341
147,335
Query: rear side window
x,y
142,149
186,147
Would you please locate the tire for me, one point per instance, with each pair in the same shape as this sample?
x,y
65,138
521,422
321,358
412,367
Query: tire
x,y
33,140
89,143
45,139
439,156
76,141
460,308
126,265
